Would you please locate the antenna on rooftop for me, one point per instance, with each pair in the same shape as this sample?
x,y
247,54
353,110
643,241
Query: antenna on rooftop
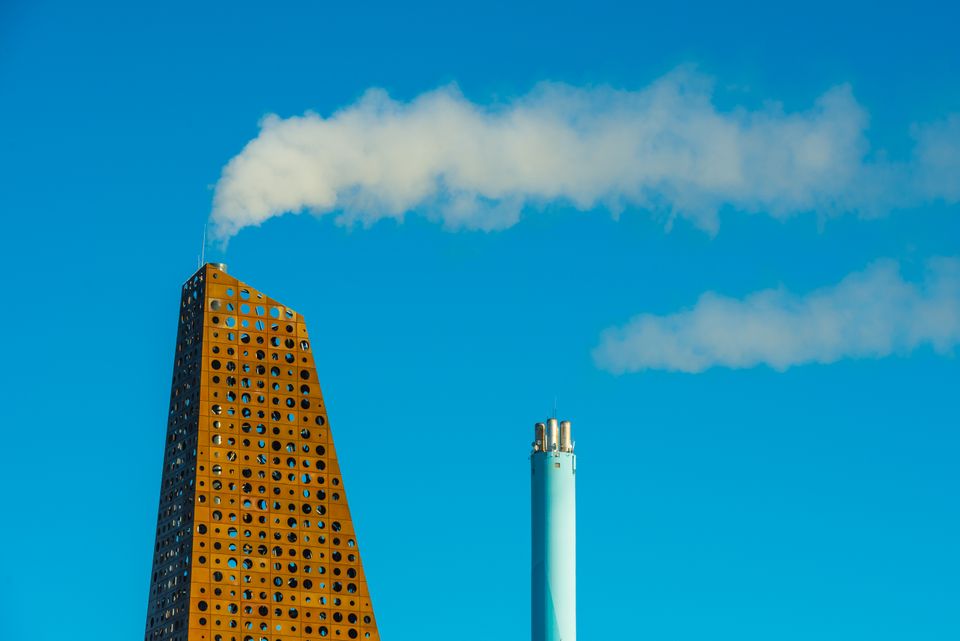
x,y
203,246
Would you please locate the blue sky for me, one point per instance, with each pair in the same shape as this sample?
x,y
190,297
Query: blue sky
x,y
802,500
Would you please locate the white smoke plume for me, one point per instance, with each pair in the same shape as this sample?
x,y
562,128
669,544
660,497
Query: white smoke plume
x,y
666,148
869,314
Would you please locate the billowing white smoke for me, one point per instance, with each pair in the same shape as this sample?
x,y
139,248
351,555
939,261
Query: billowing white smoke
x,y
872,313
665,148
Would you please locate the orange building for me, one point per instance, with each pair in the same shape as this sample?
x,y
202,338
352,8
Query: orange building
x,y
254,536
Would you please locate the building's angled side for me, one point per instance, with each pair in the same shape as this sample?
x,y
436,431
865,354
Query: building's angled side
x,y
254,536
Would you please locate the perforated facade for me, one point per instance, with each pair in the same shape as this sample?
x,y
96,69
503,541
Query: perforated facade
x,y
254,536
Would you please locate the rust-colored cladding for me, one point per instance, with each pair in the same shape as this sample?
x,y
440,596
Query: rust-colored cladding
x,y
254,536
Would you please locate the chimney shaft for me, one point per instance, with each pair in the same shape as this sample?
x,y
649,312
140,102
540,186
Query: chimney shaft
x,y
554,529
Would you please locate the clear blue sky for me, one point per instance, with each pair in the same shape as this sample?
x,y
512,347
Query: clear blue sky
x,y
818,502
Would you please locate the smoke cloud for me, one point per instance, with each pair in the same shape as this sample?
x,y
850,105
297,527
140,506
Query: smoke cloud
x,y
666,148
869,314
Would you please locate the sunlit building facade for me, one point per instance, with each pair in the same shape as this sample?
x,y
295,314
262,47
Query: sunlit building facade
x,y
254,536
